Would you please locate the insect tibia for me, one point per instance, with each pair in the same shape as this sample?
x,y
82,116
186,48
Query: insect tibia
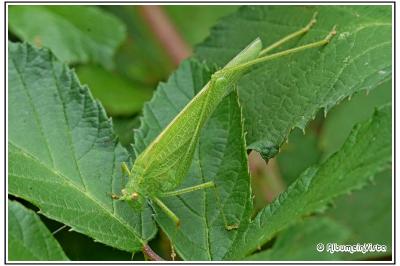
x,y
167,211
270,57
209,184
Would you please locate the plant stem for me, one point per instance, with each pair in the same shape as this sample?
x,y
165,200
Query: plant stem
x,y
165,32
150,254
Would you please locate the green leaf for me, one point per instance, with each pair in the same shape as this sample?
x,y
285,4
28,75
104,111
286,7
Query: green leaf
x,y
366,152
28,237
63,155
286,93
118,95
75,34
220,156
299,242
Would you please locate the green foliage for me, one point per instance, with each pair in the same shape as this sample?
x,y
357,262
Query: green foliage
x,y
291,90
299,242
75,34
368,213
117,94
69,163
366,152
28,237
65,158
365,213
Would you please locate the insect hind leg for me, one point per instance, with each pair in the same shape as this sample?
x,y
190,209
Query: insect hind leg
x,y
167,211
206,185
291,36
276,55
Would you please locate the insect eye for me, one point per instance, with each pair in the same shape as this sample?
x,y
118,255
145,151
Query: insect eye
x,y
134,196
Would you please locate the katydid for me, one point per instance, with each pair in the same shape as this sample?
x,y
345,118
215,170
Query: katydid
x,y
161,167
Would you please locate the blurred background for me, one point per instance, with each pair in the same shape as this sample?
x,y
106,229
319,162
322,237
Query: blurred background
x,y
154,40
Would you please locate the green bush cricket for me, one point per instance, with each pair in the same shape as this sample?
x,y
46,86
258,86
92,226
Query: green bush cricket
x,y
161,167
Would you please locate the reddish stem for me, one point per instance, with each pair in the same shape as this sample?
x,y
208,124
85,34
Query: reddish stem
x,y
150,254
165,32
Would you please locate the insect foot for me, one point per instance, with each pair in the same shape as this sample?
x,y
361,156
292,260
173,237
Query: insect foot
x,y
114,196
330,35
231,227
312,22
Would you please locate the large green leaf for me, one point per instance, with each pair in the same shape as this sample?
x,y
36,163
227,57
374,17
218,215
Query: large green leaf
x,y
286,93
75,34
63,155
366,152
300,241
220,156
28,237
